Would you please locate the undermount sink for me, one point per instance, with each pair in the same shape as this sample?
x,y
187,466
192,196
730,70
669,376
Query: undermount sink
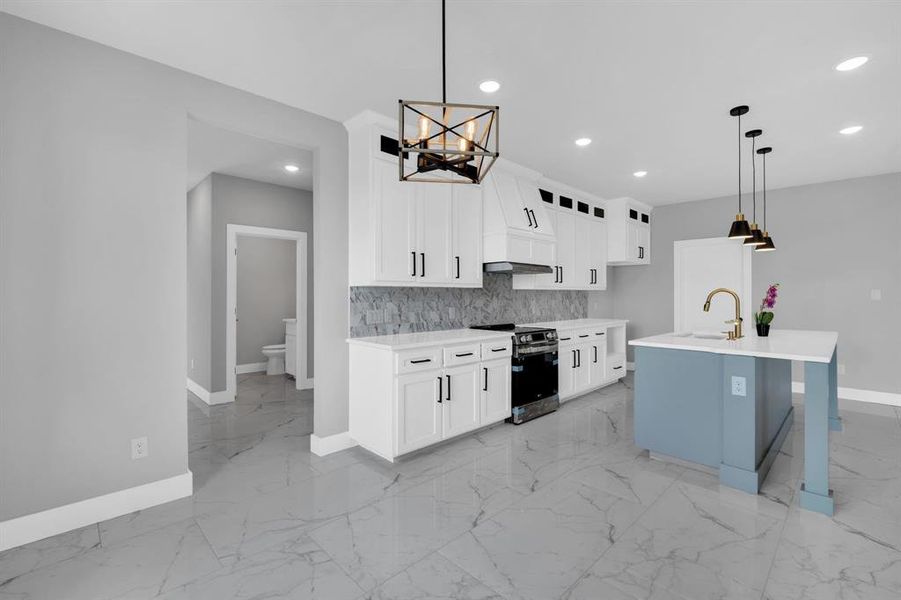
x,y
701,335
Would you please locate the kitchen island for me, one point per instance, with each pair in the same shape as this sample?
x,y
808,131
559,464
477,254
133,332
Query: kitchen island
x,y
726,404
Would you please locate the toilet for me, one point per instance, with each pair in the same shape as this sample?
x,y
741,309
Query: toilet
x,y
276,355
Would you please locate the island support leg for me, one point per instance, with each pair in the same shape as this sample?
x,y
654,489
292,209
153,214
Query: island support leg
x,y
835,421
818,397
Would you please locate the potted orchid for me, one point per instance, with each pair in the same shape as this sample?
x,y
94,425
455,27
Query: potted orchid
x,y
764,317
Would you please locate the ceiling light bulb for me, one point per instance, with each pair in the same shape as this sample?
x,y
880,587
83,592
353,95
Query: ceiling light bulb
x,y
583,141
851,63
292,168
640,173
490,86
850,130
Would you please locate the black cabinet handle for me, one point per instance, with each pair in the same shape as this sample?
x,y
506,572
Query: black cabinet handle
x,y
579,358
574,359
565,339
529,217
599,333
485,387
414,263
440,388
619,367
462,354
422,256
595,354
448,388
420,361
457,258
534,218
498,349
557,270
584,336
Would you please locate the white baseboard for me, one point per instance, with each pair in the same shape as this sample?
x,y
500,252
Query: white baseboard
x,y
251,368
40,525
845,393
320,446
210,398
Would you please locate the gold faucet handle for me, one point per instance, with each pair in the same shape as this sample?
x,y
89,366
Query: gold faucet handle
x,y
732,322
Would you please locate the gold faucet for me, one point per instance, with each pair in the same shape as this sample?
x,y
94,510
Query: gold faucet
x,y
736,323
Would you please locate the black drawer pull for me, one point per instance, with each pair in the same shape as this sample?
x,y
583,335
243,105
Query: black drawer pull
x,y
619,367
599,333
583,336
565,339
498,349
462,354
420,361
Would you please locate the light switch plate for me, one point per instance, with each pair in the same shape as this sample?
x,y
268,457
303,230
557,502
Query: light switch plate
x,y
739,386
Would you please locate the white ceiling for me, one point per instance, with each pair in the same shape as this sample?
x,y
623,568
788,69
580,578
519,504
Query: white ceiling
x,y
215,150
650,82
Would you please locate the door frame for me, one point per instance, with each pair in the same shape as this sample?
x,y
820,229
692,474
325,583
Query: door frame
x,y
232,232
746,265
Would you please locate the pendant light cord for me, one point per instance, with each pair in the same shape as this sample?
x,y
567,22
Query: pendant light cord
x,y
764,192
443,59
754,176
739,162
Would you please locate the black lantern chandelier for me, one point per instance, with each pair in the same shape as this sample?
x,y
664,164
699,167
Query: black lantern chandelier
x,y
740,229
756,238
767,245
443,142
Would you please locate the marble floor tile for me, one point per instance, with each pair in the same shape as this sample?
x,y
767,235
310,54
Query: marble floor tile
x,y
297,569
376,542
542,544
141,567
432,578
21,560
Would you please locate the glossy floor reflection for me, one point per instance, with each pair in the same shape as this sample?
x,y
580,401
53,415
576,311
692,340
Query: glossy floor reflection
x,y
562,507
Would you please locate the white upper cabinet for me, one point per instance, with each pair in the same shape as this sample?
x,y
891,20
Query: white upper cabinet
x,y
516,226
628,232
405,233
580,240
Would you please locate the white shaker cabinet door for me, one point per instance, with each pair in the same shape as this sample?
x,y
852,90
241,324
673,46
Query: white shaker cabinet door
x,y
566,249
598,252
419,410
566,376
466,256
496,388
433,216
583,273
394,215
461,399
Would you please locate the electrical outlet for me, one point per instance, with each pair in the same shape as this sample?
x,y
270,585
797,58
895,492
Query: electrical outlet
x,y
841,368
875,294
739,386
139,448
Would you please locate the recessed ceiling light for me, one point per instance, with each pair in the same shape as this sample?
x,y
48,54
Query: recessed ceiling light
x,y
490,86
850,130
583,141
851,63
292,168
640,173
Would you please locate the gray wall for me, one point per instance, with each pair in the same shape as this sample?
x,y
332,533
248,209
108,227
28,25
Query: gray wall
x,y
383,310
239,201
266,294
835,242
200,220
93,258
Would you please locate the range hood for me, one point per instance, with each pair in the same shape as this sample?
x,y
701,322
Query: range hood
x,y
517,268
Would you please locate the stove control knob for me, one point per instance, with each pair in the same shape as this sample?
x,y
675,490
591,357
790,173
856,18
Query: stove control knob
x,y
525,338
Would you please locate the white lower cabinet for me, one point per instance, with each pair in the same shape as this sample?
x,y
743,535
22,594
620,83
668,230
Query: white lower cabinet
x,y
589,359
405,400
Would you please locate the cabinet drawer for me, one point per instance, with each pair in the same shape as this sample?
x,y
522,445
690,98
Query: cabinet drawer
x,y
461,355
567,338
583,335
616,366
498,349
411,361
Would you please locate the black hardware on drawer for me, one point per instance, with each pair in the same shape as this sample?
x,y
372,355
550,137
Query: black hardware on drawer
x,y
584,336
599,212
420,361
498,349
645,218
566,202
619,367
582,207
390,146
565,339
546,196
633,214
462,354
599,332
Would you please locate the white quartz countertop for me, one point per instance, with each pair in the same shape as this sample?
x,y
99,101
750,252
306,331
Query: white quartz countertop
x,y
448,337
578,323
788,344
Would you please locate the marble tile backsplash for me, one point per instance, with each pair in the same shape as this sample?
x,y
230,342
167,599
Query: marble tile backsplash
x,y
386,310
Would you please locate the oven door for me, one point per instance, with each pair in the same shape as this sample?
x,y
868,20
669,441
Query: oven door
x,y
534,377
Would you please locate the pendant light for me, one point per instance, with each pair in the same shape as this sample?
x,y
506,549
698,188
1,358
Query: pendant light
x,y
449,143
768,245
740,229
756,238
